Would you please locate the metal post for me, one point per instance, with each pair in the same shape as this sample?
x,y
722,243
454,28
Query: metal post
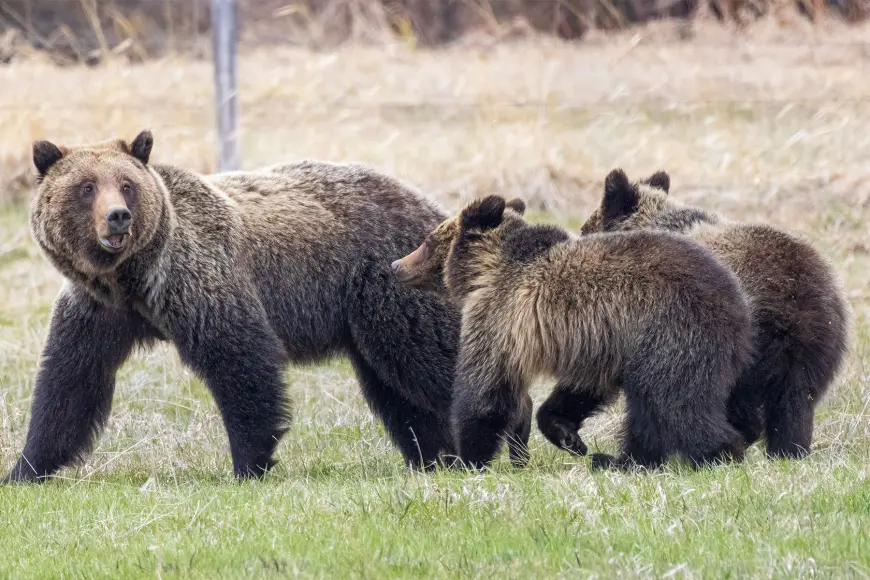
x,y
223,26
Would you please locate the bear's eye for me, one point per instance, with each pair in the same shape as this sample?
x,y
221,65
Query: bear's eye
x,y
126,189
88,188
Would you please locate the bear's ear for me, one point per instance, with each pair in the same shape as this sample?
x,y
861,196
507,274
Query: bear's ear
x,y
483,214
659,180
45,154
140,148
517,205
620,197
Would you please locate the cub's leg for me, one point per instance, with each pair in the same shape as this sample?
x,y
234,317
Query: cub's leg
x,y
653,432
563,413
746,406
789,423
640,446
487,403
518,435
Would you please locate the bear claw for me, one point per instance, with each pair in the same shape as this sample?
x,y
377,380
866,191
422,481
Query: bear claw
x,y
574,444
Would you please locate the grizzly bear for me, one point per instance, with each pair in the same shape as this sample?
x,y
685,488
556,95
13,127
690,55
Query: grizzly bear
x,y
800,316
243,272
653,315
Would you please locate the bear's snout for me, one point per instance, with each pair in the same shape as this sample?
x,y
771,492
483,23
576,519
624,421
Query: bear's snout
x,y
407,269
119,220
399,270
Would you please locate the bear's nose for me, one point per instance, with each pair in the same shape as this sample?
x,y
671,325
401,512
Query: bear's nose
x,y
119,220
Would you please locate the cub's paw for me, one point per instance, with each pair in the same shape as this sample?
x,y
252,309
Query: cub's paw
x,y
604,461
572,443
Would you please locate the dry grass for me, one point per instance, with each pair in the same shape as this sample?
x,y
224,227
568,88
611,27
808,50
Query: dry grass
x,y
764,126
770,108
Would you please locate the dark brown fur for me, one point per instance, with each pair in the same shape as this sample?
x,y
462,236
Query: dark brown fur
x,y
651,314
800,315
243,272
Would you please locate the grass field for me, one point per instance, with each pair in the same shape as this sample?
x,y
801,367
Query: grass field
x,y
762,127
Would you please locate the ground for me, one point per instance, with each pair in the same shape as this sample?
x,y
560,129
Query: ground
x,y
766,125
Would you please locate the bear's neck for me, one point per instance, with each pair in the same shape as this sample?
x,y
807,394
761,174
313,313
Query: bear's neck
x,y
472,267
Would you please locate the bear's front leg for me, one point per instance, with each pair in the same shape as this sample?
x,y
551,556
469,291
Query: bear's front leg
x,y
233,349
568,406
86,345
487,408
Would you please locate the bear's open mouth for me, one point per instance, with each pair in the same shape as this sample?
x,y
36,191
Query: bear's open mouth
x,y
115,242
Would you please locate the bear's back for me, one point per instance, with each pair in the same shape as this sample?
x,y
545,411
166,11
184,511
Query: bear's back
x,y
587,295
350,199
783,274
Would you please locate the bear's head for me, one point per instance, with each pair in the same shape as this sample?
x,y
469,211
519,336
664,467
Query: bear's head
x,y
424,268
95,205
629,206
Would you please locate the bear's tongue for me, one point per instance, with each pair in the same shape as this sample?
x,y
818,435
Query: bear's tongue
x,y
115,240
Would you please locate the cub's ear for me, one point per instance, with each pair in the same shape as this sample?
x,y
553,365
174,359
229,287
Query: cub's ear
x,y
45,154
517,205
659,180
140,148
483,214
620,198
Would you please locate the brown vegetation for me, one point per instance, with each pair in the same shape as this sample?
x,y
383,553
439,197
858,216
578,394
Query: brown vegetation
x,y
90,30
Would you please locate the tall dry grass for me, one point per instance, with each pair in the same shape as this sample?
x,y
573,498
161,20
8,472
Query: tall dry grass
x,y
776,104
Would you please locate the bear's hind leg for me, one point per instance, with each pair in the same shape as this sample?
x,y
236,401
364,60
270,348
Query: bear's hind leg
x,y
746,406
789,428
403,347
420,435
639,447
676,396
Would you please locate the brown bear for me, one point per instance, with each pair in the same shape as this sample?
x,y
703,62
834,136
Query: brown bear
x,y
244,272
800,315
654,315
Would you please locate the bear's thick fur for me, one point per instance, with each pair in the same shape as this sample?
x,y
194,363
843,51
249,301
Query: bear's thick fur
x,y
800,315
651,314
243,272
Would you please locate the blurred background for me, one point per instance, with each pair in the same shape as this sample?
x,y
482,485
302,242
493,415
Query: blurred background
x,y
458,96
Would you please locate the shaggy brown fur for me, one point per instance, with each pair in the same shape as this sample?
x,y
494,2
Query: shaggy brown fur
x,y
800,316
651,314
243,272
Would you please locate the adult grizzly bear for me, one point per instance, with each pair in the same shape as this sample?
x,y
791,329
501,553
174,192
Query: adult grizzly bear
x,y
800,316
243,272
651,314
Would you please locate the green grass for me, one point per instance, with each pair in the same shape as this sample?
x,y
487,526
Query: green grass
x,y
157,499
370,520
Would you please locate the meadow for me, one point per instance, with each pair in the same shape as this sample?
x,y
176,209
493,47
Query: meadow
x,y
766,125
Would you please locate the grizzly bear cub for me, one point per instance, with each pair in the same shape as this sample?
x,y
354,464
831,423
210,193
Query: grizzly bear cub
x,y
243,272
800,316
651,314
